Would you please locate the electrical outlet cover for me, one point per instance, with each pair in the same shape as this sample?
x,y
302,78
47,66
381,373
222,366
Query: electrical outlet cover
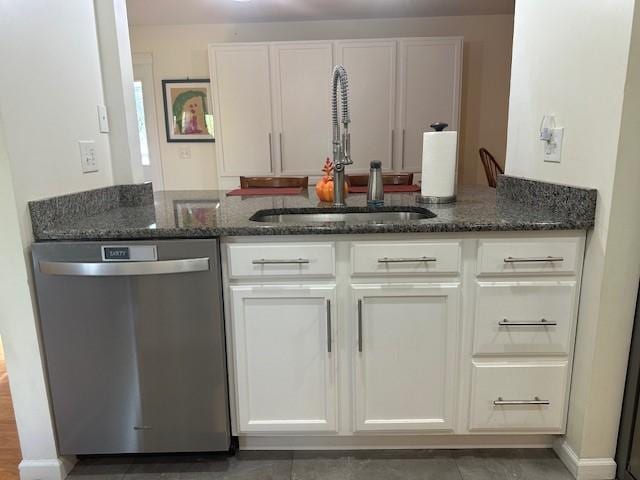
x,y
185,153
553,149
88,158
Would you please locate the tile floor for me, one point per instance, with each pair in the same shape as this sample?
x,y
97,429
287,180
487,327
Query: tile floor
x,y
354,465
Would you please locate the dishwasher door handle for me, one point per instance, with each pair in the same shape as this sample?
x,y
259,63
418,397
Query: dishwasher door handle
x,y
118,269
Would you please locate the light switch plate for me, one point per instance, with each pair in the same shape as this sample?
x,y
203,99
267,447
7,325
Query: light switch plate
x,y
103,119
553,148
88,158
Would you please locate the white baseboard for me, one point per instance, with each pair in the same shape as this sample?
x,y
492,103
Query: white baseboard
x,y
50,469
585,468
358,442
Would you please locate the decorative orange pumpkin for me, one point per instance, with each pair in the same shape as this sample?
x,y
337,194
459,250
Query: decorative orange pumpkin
x,y
324,186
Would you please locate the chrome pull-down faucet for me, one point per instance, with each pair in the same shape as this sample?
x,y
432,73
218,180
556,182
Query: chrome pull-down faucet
x,y
341,143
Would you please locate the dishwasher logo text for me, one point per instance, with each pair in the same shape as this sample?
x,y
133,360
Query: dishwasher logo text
x,y
115,253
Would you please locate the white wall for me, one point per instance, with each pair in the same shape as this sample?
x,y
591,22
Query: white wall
x,y
50,97
49,88
579,73
117,77
19,333
181,51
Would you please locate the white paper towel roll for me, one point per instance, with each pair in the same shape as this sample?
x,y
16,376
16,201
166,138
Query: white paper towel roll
x,y
439,157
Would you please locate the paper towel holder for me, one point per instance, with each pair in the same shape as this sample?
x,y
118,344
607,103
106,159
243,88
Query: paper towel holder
x,y
438,127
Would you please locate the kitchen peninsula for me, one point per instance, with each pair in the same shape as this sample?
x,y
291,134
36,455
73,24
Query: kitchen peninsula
x,y
377,334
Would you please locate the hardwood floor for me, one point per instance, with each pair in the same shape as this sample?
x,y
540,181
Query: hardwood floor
x,y
9,447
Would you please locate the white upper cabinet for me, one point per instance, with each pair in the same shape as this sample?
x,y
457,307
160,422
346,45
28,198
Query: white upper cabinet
x,y
371,67
405,356
300,75
272,102
429,83
242,104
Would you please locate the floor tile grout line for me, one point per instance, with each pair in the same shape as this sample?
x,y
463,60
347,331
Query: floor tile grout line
x,y
455,461
126,472
291,466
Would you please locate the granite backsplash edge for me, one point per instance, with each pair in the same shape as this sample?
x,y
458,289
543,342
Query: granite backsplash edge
x,y
51,211
572,201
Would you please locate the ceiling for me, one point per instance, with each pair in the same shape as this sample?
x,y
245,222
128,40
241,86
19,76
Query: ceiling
x,y
185,12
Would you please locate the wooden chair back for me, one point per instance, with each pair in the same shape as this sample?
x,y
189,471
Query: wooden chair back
x,y
273,182
387,179
491,167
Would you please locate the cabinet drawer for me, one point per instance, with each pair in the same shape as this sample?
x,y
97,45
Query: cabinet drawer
x,y
277,260
524,317
515,256
518,396
405,258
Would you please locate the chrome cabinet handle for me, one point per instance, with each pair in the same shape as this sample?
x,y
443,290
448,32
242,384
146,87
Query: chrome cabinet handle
x,y
532,259
281,149
270,154
328,326
536,401
360,326
542,323
163,267
393,142
280,261
143,427
402,155
406,260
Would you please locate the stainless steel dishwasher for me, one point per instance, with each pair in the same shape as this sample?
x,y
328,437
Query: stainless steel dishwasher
x,y
133,337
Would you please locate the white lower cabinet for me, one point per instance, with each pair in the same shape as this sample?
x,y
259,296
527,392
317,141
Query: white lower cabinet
x,y
340,337
405,356
519,396
285,363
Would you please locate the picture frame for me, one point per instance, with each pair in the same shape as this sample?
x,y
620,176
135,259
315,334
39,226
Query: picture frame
x,y
188,112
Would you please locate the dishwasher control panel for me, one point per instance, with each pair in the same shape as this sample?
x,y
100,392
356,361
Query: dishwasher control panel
x,y
129,253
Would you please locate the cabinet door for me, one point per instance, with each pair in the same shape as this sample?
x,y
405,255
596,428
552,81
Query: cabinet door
x,y
429,91
371,67
285,360
242,103
302,108
405,356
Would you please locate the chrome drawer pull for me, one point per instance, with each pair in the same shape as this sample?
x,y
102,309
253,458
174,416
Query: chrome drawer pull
x,y
542,323
535,401
533,259
284,261
406,260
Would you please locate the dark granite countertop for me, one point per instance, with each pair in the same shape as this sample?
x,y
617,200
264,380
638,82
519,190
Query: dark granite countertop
x,y
128,213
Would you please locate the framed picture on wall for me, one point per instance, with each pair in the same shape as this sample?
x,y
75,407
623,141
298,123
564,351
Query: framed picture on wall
x,y
188,113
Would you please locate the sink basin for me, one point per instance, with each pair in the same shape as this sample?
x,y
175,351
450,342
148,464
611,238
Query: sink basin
x,y
349,215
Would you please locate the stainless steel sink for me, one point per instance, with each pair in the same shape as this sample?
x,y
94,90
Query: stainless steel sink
x,y
350,215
